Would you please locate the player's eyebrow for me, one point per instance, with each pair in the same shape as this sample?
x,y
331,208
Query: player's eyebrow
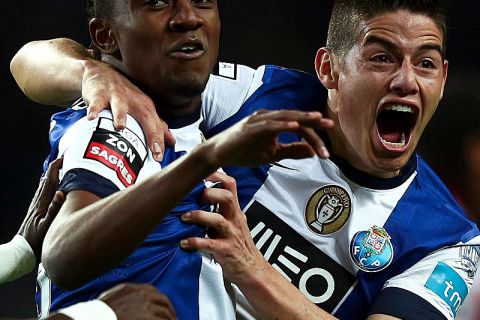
x,y
434,47
373,39
390,45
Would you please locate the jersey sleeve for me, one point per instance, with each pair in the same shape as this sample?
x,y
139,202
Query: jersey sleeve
x,y
96,156
228,88
240,91
443,279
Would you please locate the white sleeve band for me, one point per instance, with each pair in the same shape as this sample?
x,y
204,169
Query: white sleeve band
x,y
16,259
95,309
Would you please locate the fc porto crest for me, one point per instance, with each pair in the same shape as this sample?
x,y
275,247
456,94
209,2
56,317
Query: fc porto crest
x,y
372,250
328,209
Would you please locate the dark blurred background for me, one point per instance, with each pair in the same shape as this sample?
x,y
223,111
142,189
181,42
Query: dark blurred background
x,y
254,32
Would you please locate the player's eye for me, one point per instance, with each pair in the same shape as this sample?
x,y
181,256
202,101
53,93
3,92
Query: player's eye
x,y
427,64
157,3
203,3
381,58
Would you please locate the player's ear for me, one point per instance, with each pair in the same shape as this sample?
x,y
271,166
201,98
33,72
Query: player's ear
x,y
445,74
325,68
102,35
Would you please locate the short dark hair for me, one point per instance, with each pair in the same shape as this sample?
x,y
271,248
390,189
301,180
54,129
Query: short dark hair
x,y
348,14
100,9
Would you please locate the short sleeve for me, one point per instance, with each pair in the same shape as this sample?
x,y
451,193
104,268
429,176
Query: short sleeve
x,y
95,146
443,278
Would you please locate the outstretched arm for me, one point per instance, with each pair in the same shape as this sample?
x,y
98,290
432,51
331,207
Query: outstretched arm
x,y
230,242
59,71
87,228
51,71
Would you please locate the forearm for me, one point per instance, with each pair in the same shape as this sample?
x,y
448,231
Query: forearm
x,y
273,297
50,71
16,259
98,237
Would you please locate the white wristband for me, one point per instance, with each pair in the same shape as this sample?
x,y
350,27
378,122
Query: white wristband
x,y
95,309
16,259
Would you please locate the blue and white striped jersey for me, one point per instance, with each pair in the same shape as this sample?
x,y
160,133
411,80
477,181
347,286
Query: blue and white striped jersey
x,y
101,160
340,236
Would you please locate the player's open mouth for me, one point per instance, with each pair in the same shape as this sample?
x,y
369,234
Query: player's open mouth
x,y
395,124
191,49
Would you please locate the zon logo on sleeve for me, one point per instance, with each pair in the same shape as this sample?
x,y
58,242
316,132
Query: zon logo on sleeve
x,y
123,152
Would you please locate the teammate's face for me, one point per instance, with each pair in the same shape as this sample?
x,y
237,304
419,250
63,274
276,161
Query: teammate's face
x,y
168,46
389,85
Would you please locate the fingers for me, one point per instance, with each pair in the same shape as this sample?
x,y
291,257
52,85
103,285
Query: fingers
x,y
55,165
50,179
169,137
54,207
306,124
297,150
207,219
138,301
226,182
158,304
42,221
96,87
96,105
154,129
291,115
119,112
314,140
204,244
104,87
48,184
165,307
157,133
313,120
53,171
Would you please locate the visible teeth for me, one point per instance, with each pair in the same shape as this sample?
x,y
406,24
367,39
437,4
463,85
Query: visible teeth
x,y
400,108
400,144
188,48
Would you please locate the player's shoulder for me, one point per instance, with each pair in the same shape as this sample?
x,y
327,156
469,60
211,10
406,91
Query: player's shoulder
x,y
71,127
230,75
443,278
75,118
232,85
434,218
439,250
66,118
102,128
435,193
96,146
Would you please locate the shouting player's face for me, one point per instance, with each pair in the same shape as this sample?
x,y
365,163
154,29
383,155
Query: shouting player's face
x,y
168,47
386,90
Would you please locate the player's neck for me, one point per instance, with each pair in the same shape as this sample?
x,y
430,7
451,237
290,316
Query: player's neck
x,y
172,105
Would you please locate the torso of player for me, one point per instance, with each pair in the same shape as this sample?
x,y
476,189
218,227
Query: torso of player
x,y
103,161
306,232
340,240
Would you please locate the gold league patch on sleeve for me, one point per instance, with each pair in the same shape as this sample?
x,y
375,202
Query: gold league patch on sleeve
x,y
328,209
